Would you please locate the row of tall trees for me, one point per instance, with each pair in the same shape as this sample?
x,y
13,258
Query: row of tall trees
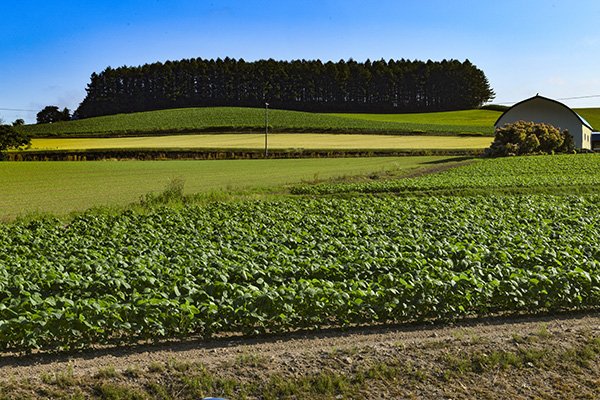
x,y
343,86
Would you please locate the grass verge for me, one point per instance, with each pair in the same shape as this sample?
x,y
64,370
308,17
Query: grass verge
x,y
458,369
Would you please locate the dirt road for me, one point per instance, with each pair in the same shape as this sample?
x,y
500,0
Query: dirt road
x,y
525,357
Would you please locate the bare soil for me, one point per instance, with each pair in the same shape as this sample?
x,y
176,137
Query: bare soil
x,y
521,357
438,167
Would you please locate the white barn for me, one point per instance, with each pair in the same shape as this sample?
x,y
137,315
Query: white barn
x,y
541,109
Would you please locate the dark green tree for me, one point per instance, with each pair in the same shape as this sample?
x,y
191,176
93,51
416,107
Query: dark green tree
x,y
568,145
18,122
10,138
50,114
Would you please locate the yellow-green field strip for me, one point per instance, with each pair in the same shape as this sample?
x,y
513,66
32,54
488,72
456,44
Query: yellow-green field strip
x,y
257,141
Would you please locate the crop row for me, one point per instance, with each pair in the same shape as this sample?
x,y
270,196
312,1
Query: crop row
x,y
516,172
273,266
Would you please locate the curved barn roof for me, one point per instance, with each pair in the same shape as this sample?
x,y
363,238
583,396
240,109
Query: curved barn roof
x,y
537,96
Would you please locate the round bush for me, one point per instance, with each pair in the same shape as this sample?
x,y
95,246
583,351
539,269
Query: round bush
x,y
523,137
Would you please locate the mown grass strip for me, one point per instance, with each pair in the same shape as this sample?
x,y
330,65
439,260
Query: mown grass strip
x,y
257,141
63,187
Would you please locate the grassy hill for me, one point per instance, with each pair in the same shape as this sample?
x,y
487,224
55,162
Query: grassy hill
x,y
461,121
592,115
239,120
465,120
236,119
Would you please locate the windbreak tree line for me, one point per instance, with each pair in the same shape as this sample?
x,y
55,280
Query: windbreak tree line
x,y
344,86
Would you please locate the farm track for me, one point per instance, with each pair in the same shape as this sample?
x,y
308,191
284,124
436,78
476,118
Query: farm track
x,y
436,169
431,361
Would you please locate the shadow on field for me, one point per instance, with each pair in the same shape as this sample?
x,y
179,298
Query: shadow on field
x,y
450,160
231,341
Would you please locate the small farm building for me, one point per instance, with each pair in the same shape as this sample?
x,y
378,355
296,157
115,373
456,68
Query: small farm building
x,y
544,110
595,141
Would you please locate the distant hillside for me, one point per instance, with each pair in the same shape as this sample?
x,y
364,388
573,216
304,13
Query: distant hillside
x,y
235,119
454,121
591,115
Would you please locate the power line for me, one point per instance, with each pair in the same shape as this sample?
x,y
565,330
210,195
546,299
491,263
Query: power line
x,y
15,109
562,98
580,97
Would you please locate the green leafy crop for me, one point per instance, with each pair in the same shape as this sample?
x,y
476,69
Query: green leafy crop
x,y
261,266
532,172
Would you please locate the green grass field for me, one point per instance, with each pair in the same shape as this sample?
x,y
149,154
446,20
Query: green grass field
x,y
467,119
592,115
62,187
461,120
235,119
438,248
195,266
257,141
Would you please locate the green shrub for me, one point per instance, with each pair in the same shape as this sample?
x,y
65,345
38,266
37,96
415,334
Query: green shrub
x,y
495,107
521,138
172,193
11,139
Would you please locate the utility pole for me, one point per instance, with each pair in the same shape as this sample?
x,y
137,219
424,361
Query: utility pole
x,y
266,129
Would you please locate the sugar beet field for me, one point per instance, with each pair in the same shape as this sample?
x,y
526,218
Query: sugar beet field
x,y
319,258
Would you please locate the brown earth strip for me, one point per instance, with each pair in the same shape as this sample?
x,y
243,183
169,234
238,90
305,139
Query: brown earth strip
x,y
437,168
527,357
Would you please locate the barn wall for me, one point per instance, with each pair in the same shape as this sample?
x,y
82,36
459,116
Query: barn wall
x,y
541,110
587,138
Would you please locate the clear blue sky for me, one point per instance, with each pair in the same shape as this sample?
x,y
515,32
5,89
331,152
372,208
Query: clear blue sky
x,y
48,49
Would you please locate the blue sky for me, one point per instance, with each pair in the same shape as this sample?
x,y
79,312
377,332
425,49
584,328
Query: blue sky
x,y
48,49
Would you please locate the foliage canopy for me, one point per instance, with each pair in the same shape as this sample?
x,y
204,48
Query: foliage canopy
x,y
276,266
12,139
305,85
521,138
50,114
